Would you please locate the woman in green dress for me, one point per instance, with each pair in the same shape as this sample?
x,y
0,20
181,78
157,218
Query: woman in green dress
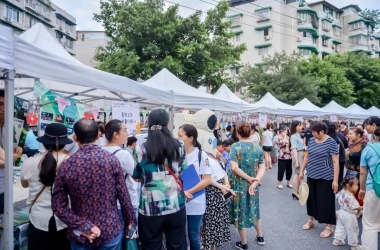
x,y
248,168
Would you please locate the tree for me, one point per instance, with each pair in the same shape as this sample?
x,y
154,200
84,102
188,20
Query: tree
x,y
280,76
333,82
364,74
373,16
146,37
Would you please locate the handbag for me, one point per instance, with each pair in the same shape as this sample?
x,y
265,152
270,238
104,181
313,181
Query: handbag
x,y
131,243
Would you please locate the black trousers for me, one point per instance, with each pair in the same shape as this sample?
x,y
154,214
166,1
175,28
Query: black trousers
x,y
42,240
2,203
284,166
152,228
341,171
321,201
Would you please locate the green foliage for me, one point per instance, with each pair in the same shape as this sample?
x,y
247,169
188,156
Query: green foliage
x,y
364,74
372,15
146,37
280,76
333,83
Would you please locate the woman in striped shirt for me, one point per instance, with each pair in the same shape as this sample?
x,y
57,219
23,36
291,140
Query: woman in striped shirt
x,y
322,165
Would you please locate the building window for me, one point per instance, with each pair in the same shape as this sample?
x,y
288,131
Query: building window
x,y
305,52
263,51
264,32
235,21
328,10
359,40
13,14
58,21
357,25
236,38
33,22
315,40
304,16
326,25
325,41
234,71
263,15
306,34
336,32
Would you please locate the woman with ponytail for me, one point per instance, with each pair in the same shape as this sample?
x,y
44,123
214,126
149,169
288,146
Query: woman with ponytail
x,y
38,174
195,208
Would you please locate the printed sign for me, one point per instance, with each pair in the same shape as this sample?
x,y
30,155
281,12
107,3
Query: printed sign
x,y
263,120
129,113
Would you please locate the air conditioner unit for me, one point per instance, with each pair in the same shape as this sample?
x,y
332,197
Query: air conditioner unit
x,y
299,39
8,19
333,47
266,38
299,20
328,16
60,27
326,28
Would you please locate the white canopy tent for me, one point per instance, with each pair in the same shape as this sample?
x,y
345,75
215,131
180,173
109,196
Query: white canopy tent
x,y
306,105
374,111
185,96
356,112
270,105
225,93
20,58
334,108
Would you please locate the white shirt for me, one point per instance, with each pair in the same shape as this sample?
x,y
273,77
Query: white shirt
x,y
197,206
217,171
73,147
255,138
128,166
102,141
268,137
41,211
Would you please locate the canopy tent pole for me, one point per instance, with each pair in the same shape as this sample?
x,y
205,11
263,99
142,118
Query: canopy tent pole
x,y
171,120
38,112
8,147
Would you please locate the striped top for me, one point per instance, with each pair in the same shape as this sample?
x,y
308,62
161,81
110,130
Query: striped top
x,y
320,164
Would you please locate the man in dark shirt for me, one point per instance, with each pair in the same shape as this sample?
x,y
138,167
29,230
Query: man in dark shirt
x,y
94,181
343,145
308,133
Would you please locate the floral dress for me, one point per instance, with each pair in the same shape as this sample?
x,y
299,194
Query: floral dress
x,y
245,209
283,148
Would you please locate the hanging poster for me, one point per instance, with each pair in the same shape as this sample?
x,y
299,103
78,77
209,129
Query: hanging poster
x,y
129,113
263,120
39,88
333,118
52,113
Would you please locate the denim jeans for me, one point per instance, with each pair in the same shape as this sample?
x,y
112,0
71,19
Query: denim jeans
x,y
194,223
114,244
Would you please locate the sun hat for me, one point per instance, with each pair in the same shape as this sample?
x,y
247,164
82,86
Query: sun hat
x,y
55,134
303,193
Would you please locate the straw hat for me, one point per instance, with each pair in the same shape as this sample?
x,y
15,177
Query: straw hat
x,y
303,193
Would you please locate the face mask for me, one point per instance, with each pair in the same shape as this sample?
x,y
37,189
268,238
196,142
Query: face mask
x,y
307,125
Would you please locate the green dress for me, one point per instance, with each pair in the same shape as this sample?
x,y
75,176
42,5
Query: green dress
x,y
245,208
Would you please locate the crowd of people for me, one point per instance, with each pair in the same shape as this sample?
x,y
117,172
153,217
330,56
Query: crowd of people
x,y
92,189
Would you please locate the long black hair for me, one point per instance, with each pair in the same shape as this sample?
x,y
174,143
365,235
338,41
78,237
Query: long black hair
x,y
191,131
48,165
160,144
113,126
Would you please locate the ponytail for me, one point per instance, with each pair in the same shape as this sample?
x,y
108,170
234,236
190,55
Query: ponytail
x,y
48,166
197,145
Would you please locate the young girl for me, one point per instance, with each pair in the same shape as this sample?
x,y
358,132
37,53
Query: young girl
x,y
347,224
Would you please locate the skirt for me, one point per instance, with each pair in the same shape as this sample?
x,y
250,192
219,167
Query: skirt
x,y
300,155
321,201
216,229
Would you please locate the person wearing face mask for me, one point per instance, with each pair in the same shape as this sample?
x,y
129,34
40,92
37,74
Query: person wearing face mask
x,y
308,133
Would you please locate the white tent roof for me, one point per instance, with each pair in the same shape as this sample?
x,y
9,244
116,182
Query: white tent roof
x,y
38,54
374,111
334,108
6,48
188,97
269,104
306,105
356,112
226,94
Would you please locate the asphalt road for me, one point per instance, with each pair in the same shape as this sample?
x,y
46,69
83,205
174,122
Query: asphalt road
x,y
282,220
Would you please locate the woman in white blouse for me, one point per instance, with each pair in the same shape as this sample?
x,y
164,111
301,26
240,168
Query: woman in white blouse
x,y
255,137
46,231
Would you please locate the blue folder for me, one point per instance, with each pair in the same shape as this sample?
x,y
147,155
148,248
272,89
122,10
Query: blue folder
x,y
190,178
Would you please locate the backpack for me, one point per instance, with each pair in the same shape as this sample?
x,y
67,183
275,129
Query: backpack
x,y
376,175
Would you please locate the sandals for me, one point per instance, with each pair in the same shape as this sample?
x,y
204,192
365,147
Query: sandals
x,y
324,235
280,187
309,225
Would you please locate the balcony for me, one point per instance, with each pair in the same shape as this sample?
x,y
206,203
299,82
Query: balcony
x,y
360,47
38,8
18,3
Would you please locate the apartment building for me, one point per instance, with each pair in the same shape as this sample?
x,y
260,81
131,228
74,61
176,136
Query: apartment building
x,y
86,45
23,14
269,26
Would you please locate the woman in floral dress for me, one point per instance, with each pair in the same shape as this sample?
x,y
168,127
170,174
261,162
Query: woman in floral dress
x,y
248,168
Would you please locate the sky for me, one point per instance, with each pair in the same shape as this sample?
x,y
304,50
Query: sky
x,y
83,10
